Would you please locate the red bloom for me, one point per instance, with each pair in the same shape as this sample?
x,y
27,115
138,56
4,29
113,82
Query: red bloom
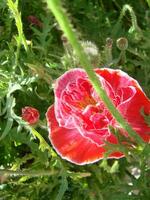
x,y
34,20
78,121
30,115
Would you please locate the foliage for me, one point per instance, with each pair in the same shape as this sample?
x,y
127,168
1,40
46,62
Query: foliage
x,y
31,58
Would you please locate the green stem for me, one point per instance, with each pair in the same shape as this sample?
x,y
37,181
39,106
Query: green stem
x,y
64,23
5,172
108,51
148,2
122,57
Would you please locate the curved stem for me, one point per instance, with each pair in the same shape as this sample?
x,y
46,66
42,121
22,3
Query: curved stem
x,y
125,8
66,26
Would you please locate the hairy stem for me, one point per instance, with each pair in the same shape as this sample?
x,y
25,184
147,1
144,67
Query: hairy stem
x,y
5,172
65,25
125,8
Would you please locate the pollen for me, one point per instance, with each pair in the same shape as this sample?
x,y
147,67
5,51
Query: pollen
x,y
86,101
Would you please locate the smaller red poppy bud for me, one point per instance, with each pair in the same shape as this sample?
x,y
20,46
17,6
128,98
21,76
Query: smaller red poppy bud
x,y
34,21
30,115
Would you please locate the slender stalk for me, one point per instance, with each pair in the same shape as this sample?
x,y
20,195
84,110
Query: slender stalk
x,y
5,172
65,25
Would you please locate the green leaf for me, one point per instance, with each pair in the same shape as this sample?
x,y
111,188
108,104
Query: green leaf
x,y
7,128
63,188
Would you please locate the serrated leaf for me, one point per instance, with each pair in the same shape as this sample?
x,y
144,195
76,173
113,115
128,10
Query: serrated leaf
x,y
13,88
25,138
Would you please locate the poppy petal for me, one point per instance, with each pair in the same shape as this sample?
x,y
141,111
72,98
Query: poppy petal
x,y
71,145
131,110
117,78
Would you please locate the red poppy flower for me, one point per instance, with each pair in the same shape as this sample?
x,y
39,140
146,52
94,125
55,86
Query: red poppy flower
x,y
30,115
78,121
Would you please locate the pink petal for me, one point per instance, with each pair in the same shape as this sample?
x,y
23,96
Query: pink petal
x,y
68,77
60,86
71,145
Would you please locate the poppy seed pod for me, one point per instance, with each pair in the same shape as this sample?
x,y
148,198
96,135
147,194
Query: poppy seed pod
x,y
122,43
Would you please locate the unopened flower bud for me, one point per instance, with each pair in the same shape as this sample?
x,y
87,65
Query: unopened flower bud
x,y
109,42
92,51
34,21
30,115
